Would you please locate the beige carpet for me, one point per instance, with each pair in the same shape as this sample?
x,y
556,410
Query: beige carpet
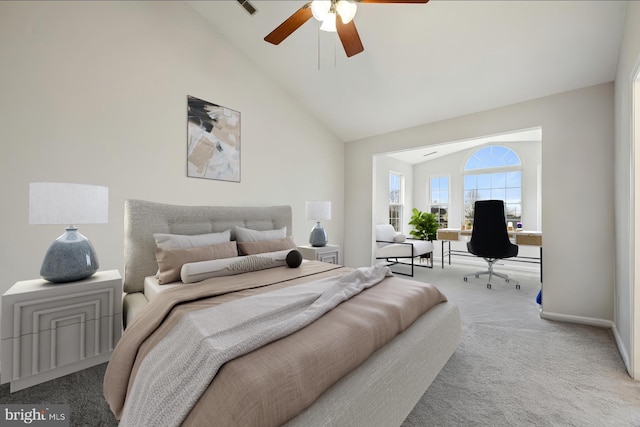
x,y
511,368
514,369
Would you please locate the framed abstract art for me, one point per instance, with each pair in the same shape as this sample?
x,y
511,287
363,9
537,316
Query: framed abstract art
x,y
213,141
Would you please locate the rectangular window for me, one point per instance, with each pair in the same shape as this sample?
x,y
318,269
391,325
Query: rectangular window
x,y
439,199
396,200
506,186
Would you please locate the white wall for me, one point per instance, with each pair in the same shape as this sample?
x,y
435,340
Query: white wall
x,y
627,256
577,158
96,92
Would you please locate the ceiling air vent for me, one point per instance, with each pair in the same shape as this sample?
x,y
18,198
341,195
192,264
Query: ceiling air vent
x,y
247,6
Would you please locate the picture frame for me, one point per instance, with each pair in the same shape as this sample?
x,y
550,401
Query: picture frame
x,y
213,141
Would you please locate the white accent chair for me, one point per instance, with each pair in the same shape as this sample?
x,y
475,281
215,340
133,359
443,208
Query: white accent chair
x,y
393,247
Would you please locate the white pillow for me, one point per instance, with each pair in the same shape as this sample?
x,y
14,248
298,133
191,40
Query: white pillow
x,y
249,235
385,232
197,271
399,237
169,241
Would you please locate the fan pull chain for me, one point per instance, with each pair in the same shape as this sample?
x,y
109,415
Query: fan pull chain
x,y
335,50
318,47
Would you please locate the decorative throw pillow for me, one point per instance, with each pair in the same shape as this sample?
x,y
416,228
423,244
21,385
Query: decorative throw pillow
x,y
262,246
294,258
167,241
399,237
197,271
170,261
385,233
249,235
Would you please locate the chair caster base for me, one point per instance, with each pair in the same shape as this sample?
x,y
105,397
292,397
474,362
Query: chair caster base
x,y
517,286
488,285
465,279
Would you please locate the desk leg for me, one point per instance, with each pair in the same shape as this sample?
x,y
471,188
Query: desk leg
x,y
448,253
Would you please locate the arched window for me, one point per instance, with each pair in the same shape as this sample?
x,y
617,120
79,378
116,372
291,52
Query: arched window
x,y
494,172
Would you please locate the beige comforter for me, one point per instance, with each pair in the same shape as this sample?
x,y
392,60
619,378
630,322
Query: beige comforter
x,y
271,385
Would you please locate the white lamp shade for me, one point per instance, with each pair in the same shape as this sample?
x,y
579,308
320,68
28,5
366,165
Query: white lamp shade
x,y
66,203
318,211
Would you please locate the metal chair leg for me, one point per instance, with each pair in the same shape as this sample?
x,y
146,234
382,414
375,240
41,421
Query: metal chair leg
x,y
491,273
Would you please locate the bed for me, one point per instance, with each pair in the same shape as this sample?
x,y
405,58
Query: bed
x,y
373,384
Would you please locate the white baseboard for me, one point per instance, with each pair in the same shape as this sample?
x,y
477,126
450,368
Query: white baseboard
x,y
623,350
601,323
591,321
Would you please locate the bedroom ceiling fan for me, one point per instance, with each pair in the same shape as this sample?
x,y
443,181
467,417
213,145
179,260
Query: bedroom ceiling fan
x,y
335,15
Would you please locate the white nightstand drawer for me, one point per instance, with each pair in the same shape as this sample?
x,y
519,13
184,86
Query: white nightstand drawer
x,y
57,347
47,313
50,330
327,253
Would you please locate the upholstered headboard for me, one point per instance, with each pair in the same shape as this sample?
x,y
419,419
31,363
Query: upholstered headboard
x,y
142,219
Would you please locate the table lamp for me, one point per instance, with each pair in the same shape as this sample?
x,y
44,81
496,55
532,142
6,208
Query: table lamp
x,y
318,211
71,256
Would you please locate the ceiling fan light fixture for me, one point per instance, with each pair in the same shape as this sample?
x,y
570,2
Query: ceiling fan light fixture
x,y
346,10
320,9
329,23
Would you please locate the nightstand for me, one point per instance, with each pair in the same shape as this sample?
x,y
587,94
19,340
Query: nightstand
x,y
53,329
326,253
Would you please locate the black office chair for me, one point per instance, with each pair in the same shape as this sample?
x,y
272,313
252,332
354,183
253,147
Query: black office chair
x,y
489,238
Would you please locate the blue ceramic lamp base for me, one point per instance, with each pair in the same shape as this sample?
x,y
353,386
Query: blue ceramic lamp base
x,y
318,237
70,257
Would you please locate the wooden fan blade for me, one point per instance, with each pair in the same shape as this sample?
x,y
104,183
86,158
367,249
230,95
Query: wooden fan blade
x,y
392,1
291,24
349,37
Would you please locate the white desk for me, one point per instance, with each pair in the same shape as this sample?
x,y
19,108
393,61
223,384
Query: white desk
x,y
528,238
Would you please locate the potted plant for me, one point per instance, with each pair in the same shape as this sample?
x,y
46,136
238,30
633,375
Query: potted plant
x,y
425,225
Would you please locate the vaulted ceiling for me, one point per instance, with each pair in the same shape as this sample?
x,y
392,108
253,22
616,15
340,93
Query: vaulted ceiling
x,y
428,62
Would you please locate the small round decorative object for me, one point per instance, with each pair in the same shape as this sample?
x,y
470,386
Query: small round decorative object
x,y
294,258
519,225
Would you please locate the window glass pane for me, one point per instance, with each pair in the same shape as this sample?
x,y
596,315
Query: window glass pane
x,y
514,179
484,180
442,215
511,159
498,151
396,200
491,157
471,196
444,197
484,194
498,180
439,203
470,181
436,197
395,185
473,163
444,183
395,216
514,195
497,193
513,212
